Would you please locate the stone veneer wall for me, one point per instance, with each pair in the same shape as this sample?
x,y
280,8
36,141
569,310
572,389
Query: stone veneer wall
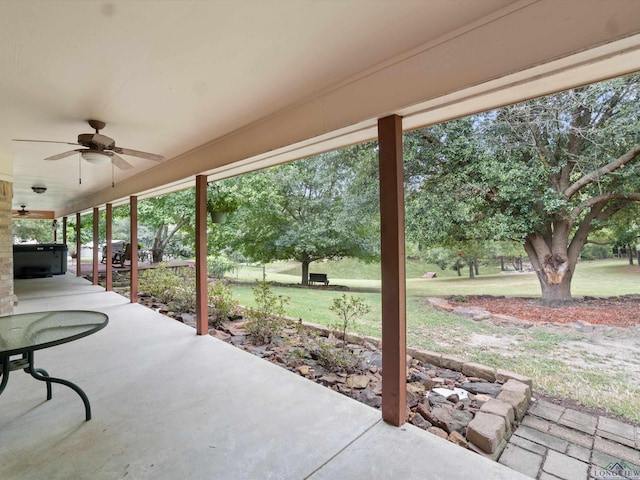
x,y
6,249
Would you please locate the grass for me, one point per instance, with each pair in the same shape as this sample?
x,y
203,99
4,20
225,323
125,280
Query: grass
x,y
534,352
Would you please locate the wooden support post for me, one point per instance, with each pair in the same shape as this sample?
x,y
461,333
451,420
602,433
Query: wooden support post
x,y
55,230
109,254
96,243
202,300
394,380
133,228
64,230
78,247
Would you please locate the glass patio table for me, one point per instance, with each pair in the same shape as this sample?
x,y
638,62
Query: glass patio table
x,y
23,334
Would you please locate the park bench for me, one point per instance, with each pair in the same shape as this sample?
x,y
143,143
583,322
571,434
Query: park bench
x,y
318,278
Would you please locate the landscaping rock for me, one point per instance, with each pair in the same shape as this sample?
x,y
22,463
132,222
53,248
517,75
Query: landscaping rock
x,y
449,419
518,401
424,356
358,381
424,409
486,431
484,388
491,456
458,439
517,386
475,313
478,370
439,432
498,407
368,397
503,376
419,421
449,361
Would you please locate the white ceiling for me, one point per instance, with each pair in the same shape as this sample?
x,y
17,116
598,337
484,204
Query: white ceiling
x,y
215,83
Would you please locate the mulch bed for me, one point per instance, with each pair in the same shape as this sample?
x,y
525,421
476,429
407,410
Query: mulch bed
x,y
623,311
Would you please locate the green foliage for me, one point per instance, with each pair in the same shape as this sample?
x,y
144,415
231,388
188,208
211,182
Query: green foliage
x,y
312,209
442,257
348,311
266,320
174,287
336,359
26,229
218,266
223,197
166,215
546,173
222,305
596,252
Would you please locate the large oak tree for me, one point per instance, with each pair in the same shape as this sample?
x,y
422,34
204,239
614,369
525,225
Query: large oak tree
x,y
547,172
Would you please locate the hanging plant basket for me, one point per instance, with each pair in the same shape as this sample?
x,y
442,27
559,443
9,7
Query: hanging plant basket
x,y
218,216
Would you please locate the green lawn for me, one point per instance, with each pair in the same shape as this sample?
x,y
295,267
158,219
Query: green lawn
x,y
537,354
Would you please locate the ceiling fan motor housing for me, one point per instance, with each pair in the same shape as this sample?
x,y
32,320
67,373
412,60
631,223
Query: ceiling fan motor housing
x,y
93,140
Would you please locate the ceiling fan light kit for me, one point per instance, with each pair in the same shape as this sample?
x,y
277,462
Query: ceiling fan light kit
x,y
39,189
95,157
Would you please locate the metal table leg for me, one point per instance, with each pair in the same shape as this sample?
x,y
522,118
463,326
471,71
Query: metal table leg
x,y
40,374
5,373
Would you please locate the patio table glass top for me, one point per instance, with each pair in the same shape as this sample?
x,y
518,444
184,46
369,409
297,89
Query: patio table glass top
x,y
27,332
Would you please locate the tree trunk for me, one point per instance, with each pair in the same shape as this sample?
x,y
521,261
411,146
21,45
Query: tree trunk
x,y
471,270
557,294
476,267
502,264
630,252
305,272
554,269
157,255
458,267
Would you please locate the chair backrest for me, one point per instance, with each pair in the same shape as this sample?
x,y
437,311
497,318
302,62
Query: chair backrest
x,y
127,251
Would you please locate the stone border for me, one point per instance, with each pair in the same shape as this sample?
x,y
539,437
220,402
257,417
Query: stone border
x,y
491,427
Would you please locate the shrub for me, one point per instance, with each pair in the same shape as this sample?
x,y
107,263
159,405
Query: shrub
x,y
266,320
218,266
336,359
348,310
221,304
160,282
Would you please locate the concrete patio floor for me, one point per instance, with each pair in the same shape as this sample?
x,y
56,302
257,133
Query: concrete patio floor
x,y
168,404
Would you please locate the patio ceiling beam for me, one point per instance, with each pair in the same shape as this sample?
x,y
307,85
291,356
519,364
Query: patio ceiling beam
x,y
394,394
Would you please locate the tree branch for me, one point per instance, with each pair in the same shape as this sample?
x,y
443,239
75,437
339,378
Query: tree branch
x,y
602,171
632,197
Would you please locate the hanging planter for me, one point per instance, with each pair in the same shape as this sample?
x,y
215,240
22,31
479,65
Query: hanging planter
x,y
221,201
218,216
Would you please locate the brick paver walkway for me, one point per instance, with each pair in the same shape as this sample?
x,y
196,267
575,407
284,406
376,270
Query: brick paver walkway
x,y
554,442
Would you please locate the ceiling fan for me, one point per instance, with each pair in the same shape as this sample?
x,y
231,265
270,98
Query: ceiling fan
x,y
23,213
99,149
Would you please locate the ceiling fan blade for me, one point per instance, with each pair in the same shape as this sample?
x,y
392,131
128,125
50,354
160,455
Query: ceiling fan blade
x,y
120,162
43,141
62,155
137,153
